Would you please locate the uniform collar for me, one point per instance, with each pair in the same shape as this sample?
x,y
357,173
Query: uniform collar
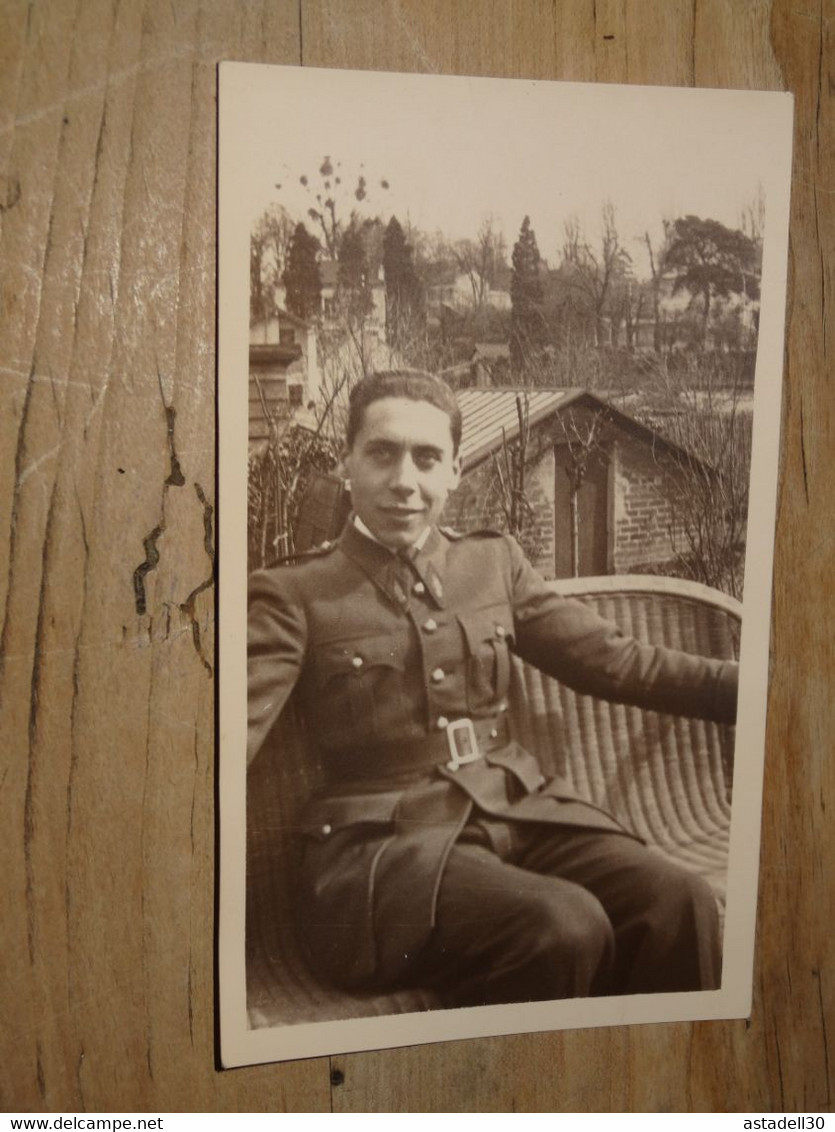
x,y
429,564
381,565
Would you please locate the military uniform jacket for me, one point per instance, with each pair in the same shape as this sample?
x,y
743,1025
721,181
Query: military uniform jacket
x,y
383,655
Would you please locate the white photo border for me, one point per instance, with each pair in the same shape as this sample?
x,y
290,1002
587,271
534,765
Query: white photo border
x,y
247,92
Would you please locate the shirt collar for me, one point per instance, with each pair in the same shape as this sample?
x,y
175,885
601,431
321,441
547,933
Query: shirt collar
x,y
418,544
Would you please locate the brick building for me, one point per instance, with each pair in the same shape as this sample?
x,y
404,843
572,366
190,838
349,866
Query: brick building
x,y
626,515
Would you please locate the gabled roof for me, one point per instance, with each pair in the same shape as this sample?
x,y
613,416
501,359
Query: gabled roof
x,y
490,414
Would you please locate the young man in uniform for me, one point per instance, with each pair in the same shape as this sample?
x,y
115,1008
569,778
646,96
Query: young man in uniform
x,y
436,853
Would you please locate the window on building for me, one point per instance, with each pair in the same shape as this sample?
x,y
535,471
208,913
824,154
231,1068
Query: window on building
x,y
296,395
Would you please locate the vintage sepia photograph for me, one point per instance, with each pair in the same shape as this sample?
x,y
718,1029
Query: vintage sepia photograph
x,y
500,371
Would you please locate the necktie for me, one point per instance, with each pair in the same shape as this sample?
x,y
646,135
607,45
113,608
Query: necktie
x,y
402,575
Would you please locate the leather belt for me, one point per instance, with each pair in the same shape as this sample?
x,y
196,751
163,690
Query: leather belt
x,y
462,741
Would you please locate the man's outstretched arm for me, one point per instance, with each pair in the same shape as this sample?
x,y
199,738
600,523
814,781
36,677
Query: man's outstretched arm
x,y
570,642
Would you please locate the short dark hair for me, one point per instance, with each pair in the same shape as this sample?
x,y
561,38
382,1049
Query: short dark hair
x,y
414,385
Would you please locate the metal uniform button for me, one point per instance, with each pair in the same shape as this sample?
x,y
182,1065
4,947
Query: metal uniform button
x,y
430,626
502,706
494,733
327,829
501,631
437,675
356,662
419,588
442,723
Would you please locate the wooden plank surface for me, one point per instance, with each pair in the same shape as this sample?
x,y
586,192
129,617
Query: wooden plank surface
x,y
107,533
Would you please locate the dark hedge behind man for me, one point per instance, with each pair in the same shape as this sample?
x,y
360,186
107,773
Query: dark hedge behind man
x,y
436,853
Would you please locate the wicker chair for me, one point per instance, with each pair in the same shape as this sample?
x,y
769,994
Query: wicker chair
x,y
665,777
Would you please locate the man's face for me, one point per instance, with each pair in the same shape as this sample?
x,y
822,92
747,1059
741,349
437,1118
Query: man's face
x,y
401,468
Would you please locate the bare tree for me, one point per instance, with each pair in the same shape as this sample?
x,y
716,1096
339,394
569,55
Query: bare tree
x,y
627,308
277,477
510,470
593,272
583,437
752,218
481,260
270,241
709,426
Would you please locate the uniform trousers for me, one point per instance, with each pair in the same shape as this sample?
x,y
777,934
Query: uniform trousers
x,y
529,911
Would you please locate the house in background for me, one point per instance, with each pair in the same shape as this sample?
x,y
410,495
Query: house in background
x,y
284,375
462,291
490,364
627,519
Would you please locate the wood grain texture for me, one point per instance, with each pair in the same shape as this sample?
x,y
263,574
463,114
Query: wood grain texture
x,y
107,534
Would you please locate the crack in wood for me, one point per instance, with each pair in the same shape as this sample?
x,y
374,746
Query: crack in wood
x,y
79,1083
828,1101
175,477
803,454
144,568
10,192
190,998
188,606
779,1065
75,752
208,512
39,1071
20,452
32,764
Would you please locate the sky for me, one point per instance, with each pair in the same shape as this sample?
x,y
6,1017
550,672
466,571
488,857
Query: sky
x,y
456,150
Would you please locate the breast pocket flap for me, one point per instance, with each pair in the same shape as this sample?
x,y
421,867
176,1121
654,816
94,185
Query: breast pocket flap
x,y
493,623
353,658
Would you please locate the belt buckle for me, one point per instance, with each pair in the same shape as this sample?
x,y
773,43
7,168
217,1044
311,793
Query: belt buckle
x,y
463,745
